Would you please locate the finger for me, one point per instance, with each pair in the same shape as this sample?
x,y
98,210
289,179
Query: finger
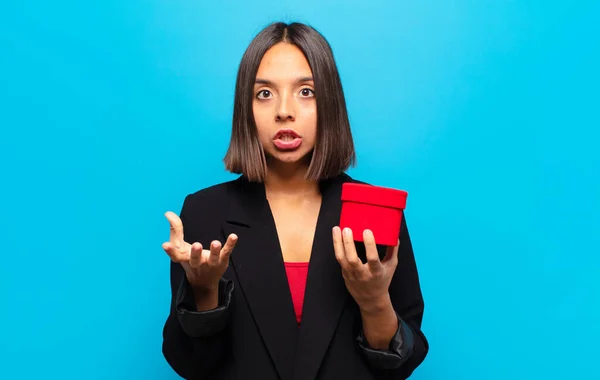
x,y
174,253
391,254
338,247
176,234
215,250
350,250
372,254
196,255
228,247
347,275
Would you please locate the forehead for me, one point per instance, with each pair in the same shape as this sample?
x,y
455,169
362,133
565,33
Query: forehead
x,y
283,61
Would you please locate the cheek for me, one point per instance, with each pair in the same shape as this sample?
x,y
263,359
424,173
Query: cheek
x,y
310,122
261,119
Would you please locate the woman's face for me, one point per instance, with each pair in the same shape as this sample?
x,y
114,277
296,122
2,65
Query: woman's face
x,y
284,105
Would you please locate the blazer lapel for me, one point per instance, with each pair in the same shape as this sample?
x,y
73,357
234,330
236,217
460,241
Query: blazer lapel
x,y
258,264
326,293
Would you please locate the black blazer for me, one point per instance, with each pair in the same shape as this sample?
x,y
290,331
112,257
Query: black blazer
x,y
253,333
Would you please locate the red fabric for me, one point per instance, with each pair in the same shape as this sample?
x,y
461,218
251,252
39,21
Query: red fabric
x,y
296,274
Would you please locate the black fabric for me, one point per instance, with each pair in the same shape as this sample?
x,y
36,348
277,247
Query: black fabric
x,y
201,324
400,349
253,332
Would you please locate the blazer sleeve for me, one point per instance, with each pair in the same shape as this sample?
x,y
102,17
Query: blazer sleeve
x,y
409,347
195,343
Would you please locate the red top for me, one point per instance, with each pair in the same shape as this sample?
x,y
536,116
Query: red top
x,y
296,274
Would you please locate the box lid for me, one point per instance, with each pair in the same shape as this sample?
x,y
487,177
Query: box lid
x,y
375,195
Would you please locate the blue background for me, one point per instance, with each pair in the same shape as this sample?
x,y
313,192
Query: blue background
x,y
485,111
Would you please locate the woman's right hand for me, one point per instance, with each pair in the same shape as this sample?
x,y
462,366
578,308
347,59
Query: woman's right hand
x,y
203,268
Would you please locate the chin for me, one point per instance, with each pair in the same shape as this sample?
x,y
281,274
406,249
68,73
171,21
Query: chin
x,y
291,157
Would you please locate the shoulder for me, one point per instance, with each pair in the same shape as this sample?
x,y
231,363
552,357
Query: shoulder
x,y
211,193
214,196
204,210
347,178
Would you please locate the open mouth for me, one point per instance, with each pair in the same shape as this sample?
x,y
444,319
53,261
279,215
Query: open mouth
x,y
286,135
287,139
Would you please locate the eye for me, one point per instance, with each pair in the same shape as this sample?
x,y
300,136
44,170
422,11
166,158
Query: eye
x,y
307,92
264,94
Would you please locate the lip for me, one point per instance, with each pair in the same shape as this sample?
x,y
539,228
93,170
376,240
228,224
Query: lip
x,y
287,145
286,131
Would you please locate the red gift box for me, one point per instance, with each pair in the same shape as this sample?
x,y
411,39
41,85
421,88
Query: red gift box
x,y
376,208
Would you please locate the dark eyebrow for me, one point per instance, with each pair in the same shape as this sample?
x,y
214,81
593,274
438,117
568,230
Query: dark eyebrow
x,y
270,83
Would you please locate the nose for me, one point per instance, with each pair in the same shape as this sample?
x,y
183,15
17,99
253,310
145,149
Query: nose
x,y
286,108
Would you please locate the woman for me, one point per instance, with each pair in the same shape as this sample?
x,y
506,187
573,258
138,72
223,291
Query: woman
x,y
287,296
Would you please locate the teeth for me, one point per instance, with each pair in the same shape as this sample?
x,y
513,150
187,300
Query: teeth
x,y
287,137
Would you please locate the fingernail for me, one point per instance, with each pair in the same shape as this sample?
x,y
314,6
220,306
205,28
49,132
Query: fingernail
x,y
368,234
347,231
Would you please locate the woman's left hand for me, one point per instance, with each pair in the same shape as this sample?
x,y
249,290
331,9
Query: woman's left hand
x,y
367,283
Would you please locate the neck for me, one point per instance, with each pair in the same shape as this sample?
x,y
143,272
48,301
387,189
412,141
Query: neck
x,y
290,180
